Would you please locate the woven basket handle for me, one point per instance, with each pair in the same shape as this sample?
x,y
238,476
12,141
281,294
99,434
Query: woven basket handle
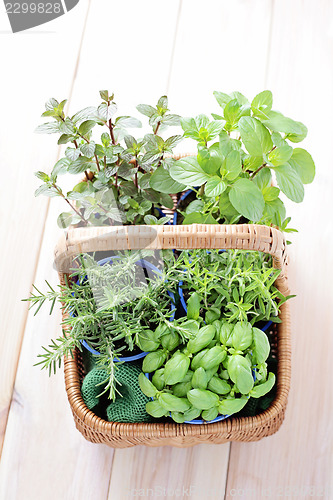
x,y
220,236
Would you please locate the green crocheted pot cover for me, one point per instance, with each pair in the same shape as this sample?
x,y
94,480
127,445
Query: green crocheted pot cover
x,y
130,407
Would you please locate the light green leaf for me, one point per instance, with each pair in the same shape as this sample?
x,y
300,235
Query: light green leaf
x,y
222,98
255,136
202,399
227,144
231,406
72,153
188,171
280,155
146,110
127,122
214,128
89,113
240,373
210,159
88,149
146,386
261,346
277,122
194,218
233,165
261,389
162,181
64,219
263,178
215,186
275,211
304,165
247,199
48,128
270,193
262,104
289,182
233,111
86,127
190,128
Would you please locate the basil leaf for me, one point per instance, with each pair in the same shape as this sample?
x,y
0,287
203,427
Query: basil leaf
x,y
242,336
210,414
204,336
192,413
240,373
193,306
261,346
172,403
181,389
176,368
218,385
304,165
262,389
146,341
255,136
213,357
146,386
153,361
158,379
199,379
289,182
202,399
231,406
155,409
247,199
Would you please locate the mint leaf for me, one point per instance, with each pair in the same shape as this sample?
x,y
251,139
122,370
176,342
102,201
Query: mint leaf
x,y
162,181
188,171
255,136
247,199
262,104
304,165
289,182
215,186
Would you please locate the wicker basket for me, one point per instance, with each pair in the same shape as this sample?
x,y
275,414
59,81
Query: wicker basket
x,y
245,236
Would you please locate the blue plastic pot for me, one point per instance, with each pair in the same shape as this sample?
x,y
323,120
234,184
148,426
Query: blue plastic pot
x,y
144,264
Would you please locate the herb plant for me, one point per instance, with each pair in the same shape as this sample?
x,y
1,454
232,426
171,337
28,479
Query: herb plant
x,y
116,166
239,153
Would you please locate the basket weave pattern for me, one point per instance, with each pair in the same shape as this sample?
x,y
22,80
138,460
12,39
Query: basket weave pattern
x,y
242,236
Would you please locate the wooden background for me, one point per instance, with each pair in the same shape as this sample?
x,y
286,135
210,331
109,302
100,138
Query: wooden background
x,y
141,50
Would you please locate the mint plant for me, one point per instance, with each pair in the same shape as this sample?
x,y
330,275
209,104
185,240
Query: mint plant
x,y
239,154
116,166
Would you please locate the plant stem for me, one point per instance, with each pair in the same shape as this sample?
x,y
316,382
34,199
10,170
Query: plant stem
x,y
258,170
157,127
69,203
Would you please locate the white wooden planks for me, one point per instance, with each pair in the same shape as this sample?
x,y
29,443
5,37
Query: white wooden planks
x,y
298,459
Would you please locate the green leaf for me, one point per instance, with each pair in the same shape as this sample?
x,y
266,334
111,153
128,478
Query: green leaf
x,y
64,138
277,122
275,211
240,373
162,103
146,110
72,153
153,361
176,368
42,176
194,218
218,385
215,186
213,357
227,144
210,414
60,167
210,159
89,113
104,95
162,181
204,336
280,155
88,149
80,165
263,178
262,104
255,136
247,199
64,219
199,379
232,165
86,127
261,346
128,122
226,208
202,399
193,306
172,141
233,111
48,128
146,341
241,336
301,161
190,128
195,206
270,193
42,190
261,389
188,171
231,406
222,98
289,182
155,409
172,403
146,386
214,128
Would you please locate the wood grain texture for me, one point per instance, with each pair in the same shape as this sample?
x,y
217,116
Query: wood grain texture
x,y
298,460
43,454
198,472
32,77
